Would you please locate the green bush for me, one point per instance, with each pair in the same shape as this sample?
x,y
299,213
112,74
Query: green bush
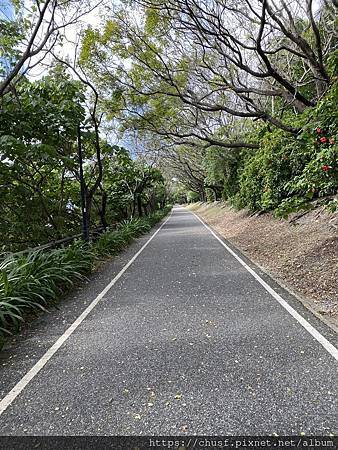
x,y
264,177
288,171
112,242
29,282
221,169
319,178
109,243
319,175
135,227
192,197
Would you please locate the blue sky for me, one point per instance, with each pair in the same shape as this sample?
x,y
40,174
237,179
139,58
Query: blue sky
x,y
6,9
6,13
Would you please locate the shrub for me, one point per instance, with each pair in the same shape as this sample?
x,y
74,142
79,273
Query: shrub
x,y
288,171
112,242
319,175
109,243
135,227
264,177
29,282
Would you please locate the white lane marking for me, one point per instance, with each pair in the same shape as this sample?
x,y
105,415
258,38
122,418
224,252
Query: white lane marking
x,y
315,333
20,386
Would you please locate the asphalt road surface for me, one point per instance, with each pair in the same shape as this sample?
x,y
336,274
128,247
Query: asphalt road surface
x,y
186,340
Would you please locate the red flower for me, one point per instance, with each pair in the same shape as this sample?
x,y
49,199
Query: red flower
x,y
323,139
326,168
331,141
318,130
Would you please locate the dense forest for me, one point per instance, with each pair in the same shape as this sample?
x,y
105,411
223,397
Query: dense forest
x,y
109,110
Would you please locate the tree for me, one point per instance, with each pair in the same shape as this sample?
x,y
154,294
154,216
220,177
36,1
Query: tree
x,y
28,37
37,158
205,62
39,167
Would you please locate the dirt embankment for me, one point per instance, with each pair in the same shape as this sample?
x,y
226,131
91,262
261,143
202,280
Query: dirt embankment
x,y
301,252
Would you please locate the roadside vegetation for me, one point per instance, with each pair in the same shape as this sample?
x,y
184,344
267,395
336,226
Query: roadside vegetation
x,y
74,190
234,101
184,101
286,173
41,129
31,282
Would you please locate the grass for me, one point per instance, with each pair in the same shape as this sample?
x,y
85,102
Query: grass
x,y
31,282
113,242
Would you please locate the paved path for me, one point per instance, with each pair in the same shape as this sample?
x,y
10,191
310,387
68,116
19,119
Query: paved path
x,y
187,339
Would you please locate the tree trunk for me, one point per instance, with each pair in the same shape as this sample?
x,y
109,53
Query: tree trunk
x,y
89,204
103,209
139,206
133,208
202,195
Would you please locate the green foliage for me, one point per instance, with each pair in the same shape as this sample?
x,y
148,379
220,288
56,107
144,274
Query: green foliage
x,y
222,170
179,193
192,196
289,171
112,242
134,227
29,282
126,181
319,172
40,192
37,157
178,91
333,206
12,33
262,182
39,168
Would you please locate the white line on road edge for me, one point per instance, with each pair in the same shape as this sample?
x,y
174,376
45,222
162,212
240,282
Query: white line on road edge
x,y
20,386
319,337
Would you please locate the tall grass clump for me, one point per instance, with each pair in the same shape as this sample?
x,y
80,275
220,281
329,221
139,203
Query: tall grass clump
x,y
29,282
112,242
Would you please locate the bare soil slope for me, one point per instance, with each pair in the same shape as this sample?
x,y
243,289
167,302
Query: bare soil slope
x,y
301,253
